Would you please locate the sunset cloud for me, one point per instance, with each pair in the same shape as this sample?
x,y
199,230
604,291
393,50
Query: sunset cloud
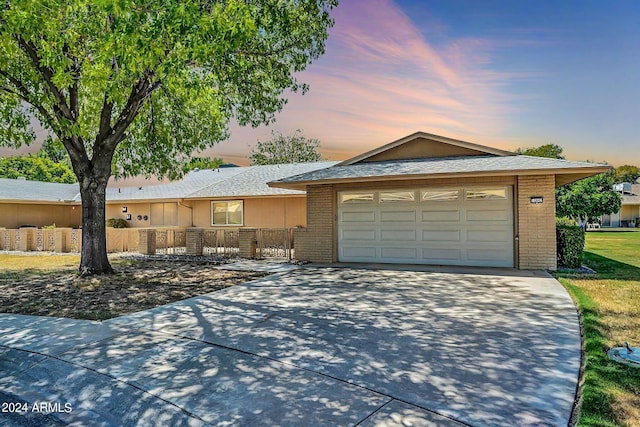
x,y
381,79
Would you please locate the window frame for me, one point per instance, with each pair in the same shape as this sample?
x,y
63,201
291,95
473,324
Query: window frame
x,y
154,223
358,201
213,202
440,190
488,191
382,192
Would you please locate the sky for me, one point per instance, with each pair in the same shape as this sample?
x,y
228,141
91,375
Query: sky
x,y
506,74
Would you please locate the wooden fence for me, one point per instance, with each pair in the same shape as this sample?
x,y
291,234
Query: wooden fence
x,y
269,242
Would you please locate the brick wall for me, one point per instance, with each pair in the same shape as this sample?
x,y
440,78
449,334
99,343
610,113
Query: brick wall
x,y
537,223
316,242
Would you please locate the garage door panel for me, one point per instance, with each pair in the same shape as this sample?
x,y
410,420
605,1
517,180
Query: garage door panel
x,y
398,235
441,235
400,253
358,216
497,256
440,215
398,216
359,252
488,236
433,255
465,231
359,235
488,215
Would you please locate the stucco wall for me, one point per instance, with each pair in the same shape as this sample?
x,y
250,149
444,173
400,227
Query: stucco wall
x,y
259,212
13,215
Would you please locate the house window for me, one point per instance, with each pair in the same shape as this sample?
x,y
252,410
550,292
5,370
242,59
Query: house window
x,y
397,196
227,212
164,214
439,195
356,197
488,194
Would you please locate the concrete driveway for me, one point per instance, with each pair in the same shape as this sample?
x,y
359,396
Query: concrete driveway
x,y
313,346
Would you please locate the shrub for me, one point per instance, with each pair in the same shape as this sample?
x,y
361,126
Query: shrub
x,y
117,223
570,240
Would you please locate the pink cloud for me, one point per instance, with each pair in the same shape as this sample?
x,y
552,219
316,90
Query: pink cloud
x,y
382,79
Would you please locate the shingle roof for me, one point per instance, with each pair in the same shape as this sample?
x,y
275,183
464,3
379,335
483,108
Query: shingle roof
x,y
436,166
21,189
252,181
190,183
224,182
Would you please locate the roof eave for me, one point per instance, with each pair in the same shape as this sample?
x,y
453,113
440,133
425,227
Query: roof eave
x,y
573,174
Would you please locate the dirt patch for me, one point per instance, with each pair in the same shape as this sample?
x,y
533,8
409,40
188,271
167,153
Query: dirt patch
x,y
137,285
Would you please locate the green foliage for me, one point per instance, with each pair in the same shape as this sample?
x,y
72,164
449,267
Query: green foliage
x,y
136,86
627,173
117,223
566,222
589,198
150,79
551,151
570,244
280,149
203,163
54,150
35,168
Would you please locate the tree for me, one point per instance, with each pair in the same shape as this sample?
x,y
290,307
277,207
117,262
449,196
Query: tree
x,y
584,200
203,163
35,168
142,84
589,198
280,149
551,151
627,173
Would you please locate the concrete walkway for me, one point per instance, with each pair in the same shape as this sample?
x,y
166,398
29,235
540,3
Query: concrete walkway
x,y
310,346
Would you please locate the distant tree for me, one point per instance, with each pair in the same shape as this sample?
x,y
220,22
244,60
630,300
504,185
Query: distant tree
x,y
54,150
280,149
588,199
141,84
35,168
584,200
551,151
203,163
627,173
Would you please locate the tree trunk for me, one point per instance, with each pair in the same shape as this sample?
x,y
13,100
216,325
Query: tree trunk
x,y
93,258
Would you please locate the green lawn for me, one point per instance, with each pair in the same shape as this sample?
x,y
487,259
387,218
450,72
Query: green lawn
x,y
610,306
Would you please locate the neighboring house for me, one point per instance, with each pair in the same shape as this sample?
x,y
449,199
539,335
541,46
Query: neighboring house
x,y
228,197
427,199
629,214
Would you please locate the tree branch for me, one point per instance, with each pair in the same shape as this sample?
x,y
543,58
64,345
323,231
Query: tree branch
x,y
47,75
23,93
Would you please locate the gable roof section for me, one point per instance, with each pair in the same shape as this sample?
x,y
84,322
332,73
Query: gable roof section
x,y
447,167
253,181
421,145
190,183
225,182
22,190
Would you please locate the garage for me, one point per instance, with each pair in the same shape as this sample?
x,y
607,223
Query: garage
x,y
449,226
429,199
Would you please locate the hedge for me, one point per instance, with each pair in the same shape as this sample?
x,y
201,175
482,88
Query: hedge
x,y
117,223
570,240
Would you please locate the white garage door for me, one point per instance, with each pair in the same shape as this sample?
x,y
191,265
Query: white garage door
x,y
450,226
